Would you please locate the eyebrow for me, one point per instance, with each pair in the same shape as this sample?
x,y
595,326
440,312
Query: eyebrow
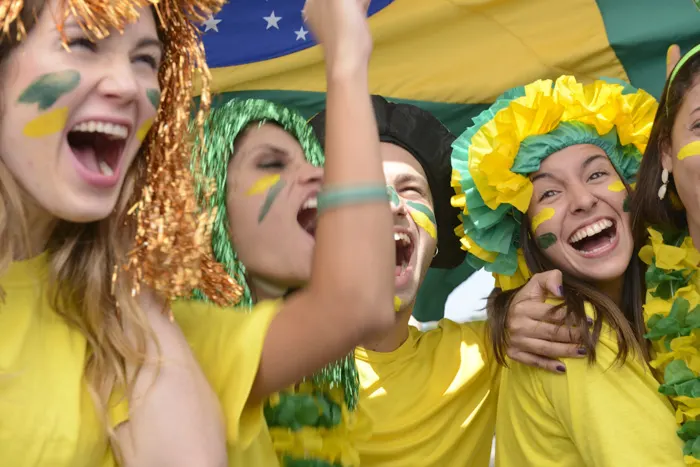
x,y
585,164
149,42
406,178
267,148
695,110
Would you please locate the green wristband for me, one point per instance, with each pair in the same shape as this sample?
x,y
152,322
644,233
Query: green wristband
x,y
335,197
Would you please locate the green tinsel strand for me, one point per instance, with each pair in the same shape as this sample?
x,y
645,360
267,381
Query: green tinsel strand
x,y
221,128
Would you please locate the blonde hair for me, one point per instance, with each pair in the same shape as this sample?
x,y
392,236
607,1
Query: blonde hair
x,y
83,259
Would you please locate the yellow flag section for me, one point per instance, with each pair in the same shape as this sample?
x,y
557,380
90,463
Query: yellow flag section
x,y
459,51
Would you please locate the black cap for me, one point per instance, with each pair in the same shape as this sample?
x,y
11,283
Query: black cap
x,y
430,142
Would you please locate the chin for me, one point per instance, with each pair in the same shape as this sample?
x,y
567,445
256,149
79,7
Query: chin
x,y
85,211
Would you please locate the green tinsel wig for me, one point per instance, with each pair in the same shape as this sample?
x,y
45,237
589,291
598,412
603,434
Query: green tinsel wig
x,y
313,403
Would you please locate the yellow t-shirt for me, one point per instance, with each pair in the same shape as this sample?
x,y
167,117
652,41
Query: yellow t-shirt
x,y
228,345
594,415
432,401
47,417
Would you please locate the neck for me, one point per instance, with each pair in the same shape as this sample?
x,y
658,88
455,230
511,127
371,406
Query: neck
x,y
263,289
40,224
397,335
613,289
694,230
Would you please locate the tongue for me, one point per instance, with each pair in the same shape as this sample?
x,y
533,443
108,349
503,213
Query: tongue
x,y
87,157
594,242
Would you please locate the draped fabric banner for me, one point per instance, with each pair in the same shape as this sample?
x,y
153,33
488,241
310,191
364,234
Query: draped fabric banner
x,y
451,57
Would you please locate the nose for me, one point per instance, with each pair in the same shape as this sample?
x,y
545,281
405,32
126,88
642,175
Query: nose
x,y
119,82
398,205
581,199
309,173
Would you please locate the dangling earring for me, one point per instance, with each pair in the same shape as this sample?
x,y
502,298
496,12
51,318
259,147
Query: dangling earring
x,y
664,184
436,252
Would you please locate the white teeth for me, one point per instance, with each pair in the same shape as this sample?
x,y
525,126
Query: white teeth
x,y
310,203
113,130
590,230
105,169
403,238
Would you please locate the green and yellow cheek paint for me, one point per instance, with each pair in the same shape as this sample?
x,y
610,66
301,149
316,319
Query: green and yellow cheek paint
x,y
423,217
272,184
617,187
547,239
44,92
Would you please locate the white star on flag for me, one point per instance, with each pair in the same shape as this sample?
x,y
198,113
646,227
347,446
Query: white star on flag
x,y
272,20
301,34
211,24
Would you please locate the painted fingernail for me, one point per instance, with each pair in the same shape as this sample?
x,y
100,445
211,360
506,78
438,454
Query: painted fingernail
x,y
589,321
561,290
561,368
582,351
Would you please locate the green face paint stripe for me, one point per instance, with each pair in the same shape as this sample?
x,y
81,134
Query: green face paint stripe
x,y
544,241
424,209
154,97
626,204
270,198
393,196
48,88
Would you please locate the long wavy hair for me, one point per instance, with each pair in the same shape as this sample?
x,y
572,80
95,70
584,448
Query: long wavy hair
x,y
83,257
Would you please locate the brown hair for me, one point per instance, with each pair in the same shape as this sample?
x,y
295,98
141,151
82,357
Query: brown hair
x,y
83,258
627,322
646,207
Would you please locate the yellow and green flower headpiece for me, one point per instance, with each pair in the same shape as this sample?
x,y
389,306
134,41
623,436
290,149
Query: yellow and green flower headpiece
x,y
509,140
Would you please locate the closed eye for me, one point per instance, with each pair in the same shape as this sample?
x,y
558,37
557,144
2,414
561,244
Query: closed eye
x,y
82,42
150,60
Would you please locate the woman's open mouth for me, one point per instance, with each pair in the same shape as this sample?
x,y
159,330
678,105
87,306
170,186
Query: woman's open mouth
x,y
307,216
596,239
98,147
404,253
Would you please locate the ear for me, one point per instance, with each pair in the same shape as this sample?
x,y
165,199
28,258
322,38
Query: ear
x,y
667,160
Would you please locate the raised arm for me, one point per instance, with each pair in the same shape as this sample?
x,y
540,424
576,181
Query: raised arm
x,y
350,293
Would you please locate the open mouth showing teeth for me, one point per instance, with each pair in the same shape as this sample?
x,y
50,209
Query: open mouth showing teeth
x,y
404,251
594,237
98,145
307,216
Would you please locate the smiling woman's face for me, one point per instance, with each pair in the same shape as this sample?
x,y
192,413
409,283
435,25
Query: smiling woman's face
x,y
577,216
73,121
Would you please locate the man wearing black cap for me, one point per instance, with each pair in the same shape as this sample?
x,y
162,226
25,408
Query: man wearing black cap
x,y
431,396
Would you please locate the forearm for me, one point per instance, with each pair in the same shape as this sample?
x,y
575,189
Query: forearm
x,y
355,238
174,416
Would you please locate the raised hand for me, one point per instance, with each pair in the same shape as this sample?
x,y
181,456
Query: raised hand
x,y
340,26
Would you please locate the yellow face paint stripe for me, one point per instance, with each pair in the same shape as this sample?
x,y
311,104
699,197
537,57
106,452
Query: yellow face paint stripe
x,y
617,186
424,223
542,216
263,184
47,124
143,131
689,150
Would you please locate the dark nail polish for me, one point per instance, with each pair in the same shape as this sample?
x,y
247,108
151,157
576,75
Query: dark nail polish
x,y
561,368
582,351
561,290
589,321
